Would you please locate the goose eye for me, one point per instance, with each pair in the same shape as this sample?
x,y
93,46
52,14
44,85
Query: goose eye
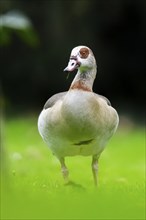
x,y
84,52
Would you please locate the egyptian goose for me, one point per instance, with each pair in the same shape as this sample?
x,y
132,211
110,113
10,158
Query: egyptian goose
x,y
79,121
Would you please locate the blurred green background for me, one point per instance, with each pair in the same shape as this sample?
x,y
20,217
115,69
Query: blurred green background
x,y
36,38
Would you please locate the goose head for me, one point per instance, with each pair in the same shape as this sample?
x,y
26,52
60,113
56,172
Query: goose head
x,y
81,58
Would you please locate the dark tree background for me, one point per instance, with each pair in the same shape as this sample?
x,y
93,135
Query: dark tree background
x,y
32,65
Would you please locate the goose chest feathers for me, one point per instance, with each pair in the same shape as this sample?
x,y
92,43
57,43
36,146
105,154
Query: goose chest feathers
x,y
78,121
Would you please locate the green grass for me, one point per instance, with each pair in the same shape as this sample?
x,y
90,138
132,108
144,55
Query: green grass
x,y
33,188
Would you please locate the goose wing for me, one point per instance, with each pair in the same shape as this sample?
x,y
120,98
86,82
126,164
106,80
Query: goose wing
x,y
104,98
53,99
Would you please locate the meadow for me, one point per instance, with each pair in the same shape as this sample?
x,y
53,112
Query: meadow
x,y
32,186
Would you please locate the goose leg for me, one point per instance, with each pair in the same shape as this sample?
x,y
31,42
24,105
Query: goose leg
x,y
95,168
64,170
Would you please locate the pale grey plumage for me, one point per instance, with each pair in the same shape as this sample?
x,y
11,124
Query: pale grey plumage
x,y
59,96
78,121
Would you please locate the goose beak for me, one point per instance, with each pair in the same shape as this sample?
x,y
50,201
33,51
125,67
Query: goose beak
x,y
72,65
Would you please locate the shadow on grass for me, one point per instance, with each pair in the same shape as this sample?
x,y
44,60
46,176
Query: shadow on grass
x,y
75,185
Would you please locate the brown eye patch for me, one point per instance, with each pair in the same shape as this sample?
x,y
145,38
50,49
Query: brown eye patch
x,y
84,52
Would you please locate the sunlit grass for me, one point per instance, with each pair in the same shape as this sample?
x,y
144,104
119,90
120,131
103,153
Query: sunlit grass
x,y
33,187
